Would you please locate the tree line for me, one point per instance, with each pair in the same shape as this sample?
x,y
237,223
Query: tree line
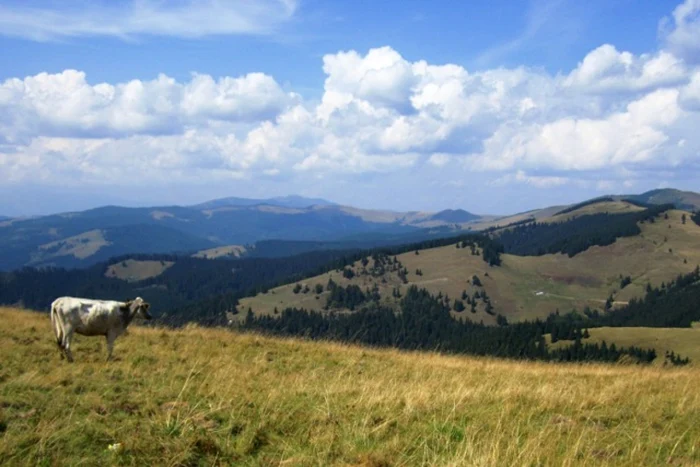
x,y
575,235
424,323
675,304
192,289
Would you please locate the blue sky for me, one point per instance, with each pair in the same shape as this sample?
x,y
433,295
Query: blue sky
x,y
490,106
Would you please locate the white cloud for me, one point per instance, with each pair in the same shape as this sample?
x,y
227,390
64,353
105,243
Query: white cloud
x,y
616,112
681,33
690,94
254,96
607,69
538,181
439,160
632,136
184,18
66,105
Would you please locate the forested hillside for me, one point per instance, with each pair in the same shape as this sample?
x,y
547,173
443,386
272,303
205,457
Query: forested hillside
x,y
193,289
424,323
577,234
673,304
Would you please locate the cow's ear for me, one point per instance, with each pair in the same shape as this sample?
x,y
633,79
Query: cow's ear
x,y
146,305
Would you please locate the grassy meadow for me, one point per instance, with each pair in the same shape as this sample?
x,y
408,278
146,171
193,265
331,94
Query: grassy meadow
x,y
199,396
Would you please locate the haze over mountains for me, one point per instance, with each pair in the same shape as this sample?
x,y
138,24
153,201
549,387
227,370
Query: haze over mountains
x,y
83,238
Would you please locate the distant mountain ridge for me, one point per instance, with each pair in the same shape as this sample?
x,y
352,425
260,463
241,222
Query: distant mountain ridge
x,y
687,200
79,239
291,201
455,215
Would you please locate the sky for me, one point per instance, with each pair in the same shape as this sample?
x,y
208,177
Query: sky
x,y
495,107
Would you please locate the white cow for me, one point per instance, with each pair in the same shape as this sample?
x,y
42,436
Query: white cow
x,y
93,318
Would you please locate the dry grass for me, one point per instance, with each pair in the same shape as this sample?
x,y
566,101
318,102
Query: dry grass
x,y
659,254
201,397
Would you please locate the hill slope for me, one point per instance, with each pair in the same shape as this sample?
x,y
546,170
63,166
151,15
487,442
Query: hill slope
x,y
205,396
524,287
686,200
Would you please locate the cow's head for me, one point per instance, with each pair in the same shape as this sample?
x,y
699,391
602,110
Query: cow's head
x,y
138,308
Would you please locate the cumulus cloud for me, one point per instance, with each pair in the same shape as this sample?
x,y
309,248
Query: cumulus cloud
x,y
66,105
616,115
607,69
681,32
48,20
630,136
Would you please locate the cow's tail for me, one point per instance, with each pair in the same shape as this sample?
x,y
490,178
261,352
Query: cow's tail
x,y
57,324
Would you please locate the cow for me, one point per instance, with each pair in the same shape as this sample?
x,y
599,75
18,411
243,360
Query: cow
x,y
93,318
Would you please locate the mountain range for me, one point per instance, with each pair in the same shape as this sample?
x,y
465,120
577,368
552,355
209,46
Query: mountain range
x,y
78,239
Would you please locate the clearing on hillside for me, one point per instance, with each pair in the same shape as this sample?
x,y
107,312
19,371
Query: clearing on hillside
x,y
132,270
523,287
228,251
206,396
79,246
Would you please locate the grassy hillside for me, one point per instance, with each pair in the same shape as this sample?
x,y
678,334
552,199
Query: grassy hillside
x,y
526,287
204,396
610,207
682,341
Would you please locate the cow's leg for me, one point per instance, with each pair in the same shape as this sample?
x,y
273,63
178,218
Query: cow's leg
x,y
111,336
67,338
61,350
